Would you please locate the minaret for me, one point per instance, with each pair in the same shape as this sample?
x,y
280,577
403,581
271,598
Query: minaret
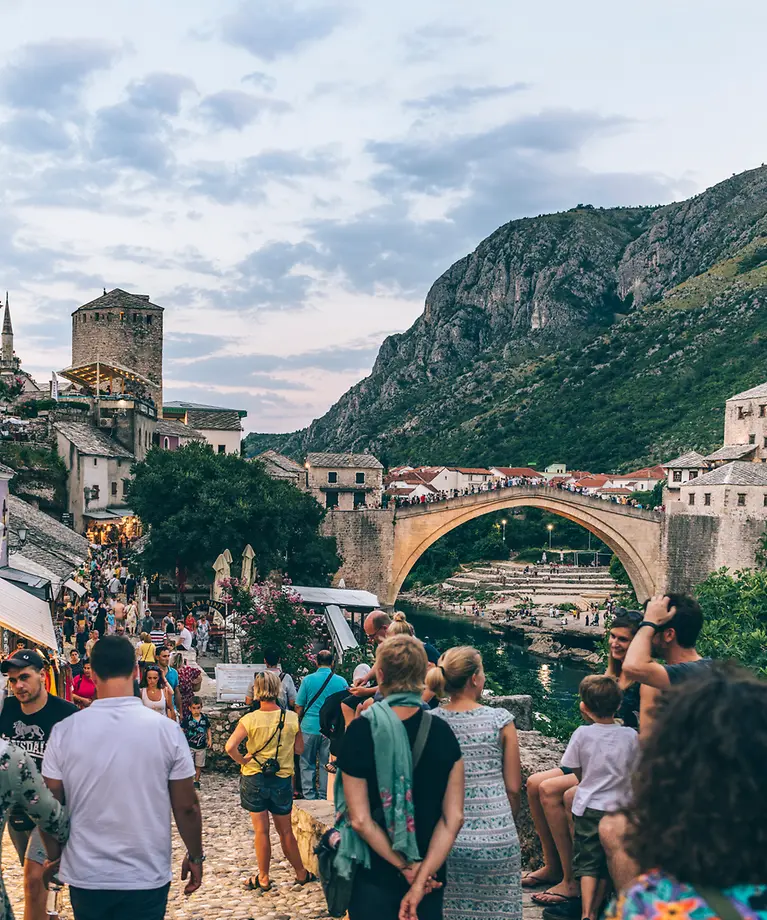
x,y
6,352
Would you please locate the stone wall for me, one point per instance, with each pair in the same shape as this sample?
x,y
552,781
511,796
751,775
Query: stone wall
x,y
366,544
519,705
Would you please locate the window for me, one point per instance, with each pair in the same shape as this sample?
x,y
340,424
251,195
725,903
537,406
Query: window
x,y
148,320
332,477
765,442
114,489
109,317
95,492
96,316
741,499
762,410
359,499
95,461
122,317
691,498
136,317
166,443
741,410
693,474
752,439
119,463
331,500
125,487
677,475
707,498
222,448
359,478
765,501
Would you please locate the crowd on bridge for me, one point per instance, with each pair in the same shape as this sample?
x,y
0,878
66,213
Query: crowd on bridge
x,y
426,778
514,482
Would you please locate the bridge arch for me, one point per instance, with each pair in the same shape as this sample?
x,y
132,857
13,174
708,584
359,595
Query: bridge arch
x,y
633,535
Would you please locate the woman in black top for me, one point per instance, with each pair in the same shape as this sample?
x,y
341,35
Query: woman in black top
x,y
437,793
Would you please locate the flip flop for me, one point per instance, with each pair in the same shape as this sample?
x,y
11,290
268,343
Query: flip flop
x,y
530,881
310,877
552,898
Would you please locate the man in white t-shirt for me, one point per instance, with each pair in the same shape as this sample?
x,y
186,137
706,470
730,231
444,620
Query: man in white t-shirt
x,y
117,866
184,639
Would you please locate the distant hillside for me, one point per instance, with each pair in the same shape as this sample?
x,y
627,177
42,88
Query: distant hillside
x,y
604,338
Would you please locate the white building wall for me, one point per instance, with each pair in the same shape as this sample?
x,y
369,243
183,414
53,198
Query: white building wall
x,y
229,439
745,422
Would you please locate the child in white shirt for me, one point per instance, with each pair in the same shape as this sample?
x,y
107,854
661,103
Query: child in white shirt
x,y
602,755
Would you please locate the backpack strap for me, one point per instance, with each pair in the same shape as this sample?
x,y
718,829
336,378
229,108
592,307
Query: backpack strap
x,y
316,696
720,904
420,743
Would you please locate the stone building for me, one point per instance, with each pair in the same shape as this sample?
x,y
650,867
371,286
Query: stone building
x,y
745,427
99,469
681,470
345,481
738,488
122,331
170,434
221,428
279,466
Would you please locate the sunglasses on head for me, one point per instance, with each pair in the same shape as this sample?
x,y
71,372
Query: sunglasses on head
x,y
633,615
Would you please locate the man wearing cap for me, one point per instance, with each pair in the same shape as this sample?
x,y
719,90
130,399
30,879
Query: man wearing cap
x,y
27,719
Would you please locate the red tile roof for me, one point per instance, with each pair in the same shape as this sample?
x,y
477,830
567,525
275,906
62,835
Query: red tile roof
x,y
510,471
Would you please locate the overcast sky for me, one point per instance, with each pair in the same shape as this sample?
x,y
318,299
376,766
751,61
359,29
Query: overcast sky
x,y
288,178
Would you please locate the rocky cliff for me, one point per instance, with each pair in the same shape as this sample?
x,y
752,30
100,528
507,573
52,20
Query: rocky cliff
x,y
647,317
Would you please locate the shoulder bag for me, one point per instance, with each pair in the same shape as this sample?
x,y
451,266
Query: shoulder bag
x,y
314,699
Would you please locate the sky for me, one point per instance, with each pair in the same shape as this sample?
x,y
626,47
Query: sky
x,y
287,178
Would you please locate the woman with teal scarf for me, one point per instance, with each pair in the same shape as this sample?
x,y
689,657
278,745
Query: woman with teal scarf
x,y
398,822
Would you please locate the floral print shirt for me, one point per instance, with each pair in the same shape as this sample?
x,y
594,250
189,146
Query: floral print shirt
x,y
657,896
21,785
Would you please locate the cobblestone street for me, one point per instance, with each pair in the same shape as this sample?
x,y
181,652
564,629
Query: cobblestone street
x,y
230,861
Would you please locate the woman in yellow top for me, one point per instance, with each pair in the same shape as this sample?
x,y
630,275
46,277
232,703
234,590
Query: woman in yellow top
x,y
146,652
266,781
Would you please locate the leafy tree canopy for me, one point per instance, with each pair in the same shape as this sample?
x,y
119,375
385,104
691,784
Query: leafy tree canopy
x,y
195,504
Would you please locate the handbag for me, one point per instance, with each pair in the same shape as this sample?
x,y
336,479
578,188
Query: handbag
x,y
338,890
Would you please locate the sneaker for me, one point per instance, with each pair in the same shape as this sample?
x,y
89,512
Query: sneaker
x,y
196,784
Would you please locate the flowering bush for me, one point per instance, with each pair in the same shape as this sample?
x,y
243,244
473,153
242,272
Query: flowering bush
x,y
276,619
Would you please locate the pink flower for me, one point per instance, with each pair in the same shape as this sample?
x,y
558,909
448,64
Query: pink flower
x,y
294,622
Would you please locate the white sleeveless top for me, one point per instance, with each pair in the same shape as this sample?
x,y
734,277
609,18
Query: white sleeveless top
x,y
156,705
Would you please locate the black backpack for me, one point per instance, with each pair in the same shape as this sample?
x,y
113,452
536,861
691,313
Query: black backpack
x,y
332,719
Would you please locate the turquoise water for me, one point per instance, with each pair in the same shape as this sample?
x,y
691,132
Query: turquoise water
x,y
560,678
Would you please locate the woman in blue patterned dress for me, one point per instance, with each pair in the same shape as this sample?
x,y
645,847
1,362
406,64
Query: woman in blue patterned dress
x,y
484,870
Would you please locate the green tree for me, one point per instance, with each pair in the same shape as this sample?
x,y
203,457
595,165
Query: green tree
x,y
194,504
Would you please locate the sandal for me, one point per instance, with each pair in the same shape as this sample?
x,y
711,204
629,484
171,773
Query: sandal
x,y
530,880
331,768
254,884
549,898
310,877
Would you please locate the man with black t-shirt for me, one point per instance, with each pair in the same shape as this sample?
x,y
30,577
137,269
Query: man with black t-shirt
x,y
27,719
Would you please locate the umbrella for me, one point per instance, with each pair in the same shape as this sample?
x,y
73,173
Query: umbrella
x,y
248,566
221,569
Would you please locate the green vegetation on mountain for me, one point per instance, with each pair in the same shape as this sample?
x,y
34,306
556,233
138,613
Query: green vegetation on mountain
x,y
605,338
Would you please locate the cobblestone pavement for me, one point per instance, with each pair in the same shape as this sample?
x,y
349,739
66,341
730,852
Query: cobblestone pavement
x,y
230,861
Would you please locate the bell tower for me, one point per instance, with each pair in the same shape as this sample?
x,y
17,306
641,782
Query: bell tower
x,y
7,359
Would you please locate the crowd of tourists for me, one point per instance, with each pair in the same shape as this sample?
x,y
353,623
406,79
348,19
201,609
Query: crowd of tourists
x,y
513,482
644,817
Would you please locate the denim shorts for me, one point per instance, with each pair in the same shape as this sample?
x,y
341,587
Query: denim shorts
x,y
266,793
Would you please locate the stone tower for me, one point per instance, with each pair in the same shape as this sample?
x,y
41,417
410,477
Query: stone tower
x,y
121,329
7,360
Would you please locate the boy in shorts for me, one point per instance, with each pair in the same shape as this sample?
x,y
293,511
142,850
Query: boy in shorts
x,y
602,755
196,728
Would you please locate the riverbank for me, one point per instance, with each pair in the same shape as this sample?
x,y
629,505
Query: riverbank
x,y
554,639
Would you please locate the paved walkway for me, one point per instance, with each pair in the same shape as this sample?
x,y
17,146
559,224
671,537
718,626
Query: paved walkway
x,y
230,860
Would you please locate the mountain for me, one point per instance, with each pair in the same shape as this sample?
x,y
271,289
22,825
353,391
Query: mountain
x,y
606,338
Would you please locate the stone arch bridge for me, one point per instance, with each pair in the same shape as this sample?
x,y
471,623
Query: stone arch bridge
x,y
379,547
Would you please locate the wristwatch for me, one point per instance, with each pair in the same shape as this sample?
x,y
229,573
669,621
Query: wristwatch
x,y
654,626
196,860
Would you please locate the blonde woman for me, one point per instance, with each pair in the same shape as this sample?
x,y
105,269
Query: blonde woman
x,y
398,760
484,871
399,626
266,780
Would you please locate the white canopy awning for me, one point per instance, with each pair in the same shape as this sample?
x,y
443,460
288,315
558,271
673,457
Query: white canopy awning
x,y
26,615
343,597
74,586
340,631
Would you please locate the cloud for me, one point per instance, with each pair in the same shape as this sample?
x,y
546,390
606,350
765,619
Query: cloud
x,y
457,97
261,80
50,76
128,135
434,40
33,133
189,259
270,29
235,109
160,92
244,181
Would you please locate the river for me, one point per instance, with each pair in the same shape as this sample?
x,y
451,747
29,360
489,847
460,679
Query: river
x,y
561,678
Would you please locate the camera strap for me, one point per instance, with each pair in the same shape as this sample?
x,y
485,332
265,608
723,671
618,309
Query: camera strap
x,y
276,733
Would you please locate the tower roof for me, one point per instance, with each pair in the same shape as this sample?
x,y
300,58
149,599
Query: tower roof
x,y
7,327
118,299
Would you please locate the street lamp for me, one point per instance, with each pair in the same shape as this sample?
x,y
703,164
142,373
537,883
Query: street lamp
x,y
503,524
549,527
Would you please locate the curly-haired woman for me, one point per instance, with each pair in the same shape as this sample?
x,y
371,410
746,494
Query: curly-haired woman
x,y
697,829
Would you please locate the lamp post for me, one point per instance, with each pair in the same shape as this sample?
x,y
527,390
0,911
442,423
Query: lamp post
x,y
503,524
549,527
